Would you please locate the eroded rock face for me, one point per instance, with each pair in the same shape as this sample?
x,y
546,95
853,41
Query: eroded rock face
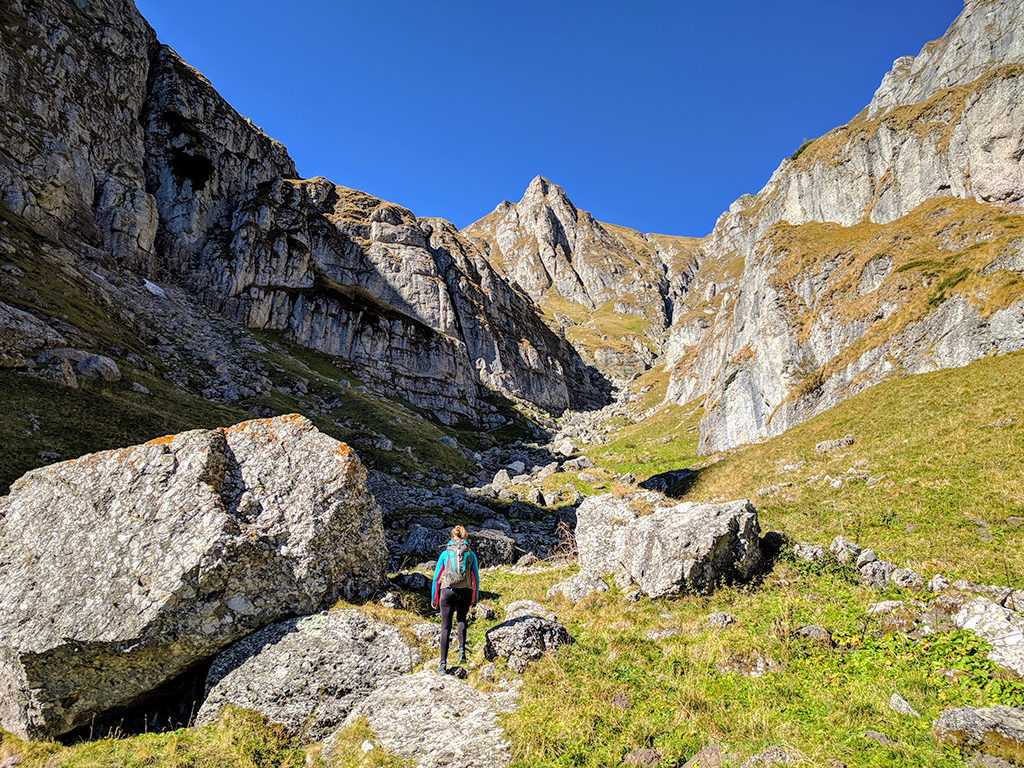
x,y
307,673
435,721
796,306
1000,626
124,568
997,731
683,548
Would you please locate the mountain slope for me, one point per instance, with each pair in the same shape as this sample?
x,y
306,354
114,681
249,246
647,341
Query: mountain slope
x,y
611,288
887,246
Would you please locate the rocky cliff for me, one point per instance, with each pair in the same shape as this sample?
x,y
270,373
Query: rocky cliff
x,y
890,245
610,288
128,157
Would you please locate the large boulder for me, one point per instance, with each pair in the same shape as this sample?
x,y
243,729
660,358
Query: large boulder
x,y
1000,626
665,550
434,721
493,547
307,673
997,731
124,568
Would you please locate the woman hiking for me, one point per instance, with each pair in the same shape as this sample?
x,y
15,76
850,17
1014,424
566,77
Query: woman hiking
x,y
455,590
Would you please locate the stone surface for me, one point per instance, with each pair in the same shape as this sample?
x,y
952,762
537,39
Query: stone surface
x,y
901,706
876,573
906,578
996,731
519,608
844,550
415,716
709,757
1000,626
123,568
577,587
809,553
526,638
308,673
643,757
683,548
99,367
719,620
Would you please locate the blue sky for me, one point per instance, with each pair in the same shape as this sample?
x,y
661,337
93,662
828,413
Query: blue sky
x,y
652,115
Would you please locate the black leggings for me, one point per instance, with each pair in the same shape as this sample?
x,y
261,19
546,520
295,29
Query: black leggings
x,y
454,601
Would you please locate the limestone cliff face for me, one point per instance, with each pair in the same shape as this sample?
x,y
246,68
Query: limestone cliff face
x,y
888,246
118,149
584,272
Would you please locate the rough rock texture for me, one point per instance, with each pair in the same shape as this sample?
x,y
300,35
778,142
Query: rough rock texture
x,y
997,731
307,673
553,251
684,548
578,586
121,152
804,296
525,638
124,568
1000,626
436,722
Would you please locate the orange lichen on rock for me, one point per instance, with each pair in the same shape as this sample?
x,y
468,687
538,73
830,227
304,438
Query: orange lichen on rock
x,y
165,440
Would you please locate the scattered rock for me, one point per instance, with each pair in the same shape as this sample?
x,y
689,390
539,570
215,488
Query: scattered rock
x,y
308,673
876,573
414,717
526,638
938,583
879,738
644,757
518,608
884,607
999,626
905,578
845,551
99,367
577,587
59,371
901,706
809,553
996,731
719,620
748,665
827,446
817,634
770,756
124,568
483,612
866,556
709,757
136,387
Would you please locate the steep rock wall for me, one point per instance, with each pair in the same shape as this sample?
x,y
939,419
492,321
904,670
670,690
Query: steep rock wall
x,y
785,319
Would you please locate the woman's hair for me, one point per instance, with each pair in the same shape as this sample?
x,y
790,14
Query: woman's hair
x,y
458,532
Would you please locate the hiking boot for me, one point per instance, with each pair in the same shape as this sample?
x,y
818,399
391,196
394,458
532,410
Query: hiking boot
x,y
442,669
462,655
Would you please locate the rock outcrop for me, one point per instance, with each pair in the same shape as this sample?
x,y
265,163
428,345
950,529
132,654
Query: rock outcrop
x,y
128,157
622,283
998,625
435,721
122,569
308,673
883,248
669,549
996,731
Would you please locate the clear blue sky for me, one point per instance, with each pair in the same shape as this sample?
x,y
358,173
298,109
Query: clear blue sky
x,y
653,115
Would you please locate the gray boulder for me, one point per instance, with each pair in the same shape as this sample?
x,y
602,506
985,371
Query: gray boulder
x,y
527,608
998,625
685,547
524,639
907,578
997,731
578,586
692,547
809,553
844,550
415,717
99,367
124,568
876,573
308,673
493,547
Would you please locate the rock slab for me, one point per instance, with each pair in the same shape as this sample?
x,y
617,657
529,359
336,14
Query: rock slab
x,y
996,731
435,721
122,569
307,673
1000,626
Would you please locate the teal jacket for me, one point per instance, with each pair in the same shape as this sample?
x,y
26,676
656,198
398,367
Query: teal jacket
x,y
470,566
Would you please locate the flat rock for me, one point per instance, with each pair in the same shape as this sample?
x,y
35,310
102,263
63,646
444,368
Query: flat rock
x,y
578,586
124,568
519,608
436,721
307,673
996,731
1001,627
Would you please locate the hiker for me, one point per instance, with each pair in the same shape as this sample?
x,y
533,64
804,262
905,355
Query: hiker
x,y
455,590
